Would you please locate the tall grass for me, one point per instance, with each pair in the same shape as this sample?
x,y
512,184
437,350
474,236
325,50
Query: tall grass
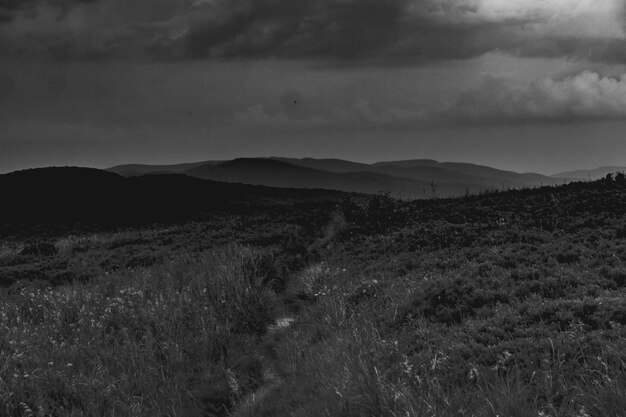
x,y
342,360
177,339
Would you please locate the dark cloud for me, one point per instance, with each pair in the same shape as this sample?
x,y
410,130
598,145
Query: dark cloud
x,y
296,109
378,30
298,28
10,9
381,31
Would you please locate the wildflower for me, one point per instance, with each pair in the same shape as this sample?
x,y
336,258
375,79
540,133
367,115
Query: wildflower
x,y
472,375
582,412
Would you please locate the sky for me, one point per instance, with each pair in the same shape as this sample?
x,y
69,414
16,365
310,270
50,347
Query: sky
x,y
526,85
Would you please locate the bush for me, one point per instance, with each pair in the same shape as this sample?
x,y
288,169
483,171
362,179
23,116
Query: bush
x,y
39,248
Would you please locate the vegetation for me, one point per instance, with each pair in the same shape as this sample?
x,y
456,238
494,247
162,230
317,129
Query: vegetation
x,y
505,304
166,340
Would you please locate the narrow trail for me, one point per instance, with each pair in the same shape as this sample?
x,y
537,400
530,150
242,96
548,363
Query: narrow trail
x,y
271,378
294,299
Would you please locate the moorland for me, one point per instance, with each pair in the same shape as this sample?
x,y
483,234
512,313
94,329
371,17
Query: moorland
x,y
167,295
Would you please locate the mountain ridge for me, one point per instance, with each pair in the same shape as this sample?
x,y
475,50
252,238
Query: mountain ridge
x,y
590,174
415,179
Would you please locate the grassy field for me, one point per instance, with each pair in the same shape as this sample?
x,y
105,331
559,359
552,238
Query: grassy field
x,y
506,304
170,340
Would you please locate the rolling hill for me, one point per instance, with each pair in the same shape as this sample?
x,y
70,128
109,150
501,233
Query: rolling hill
x,y
133,170
419,178
590,174
71,195
274,173
472,172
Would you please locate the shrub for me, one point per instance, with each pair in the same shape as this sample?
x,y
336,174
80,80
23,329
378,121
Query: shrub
x,y
39,248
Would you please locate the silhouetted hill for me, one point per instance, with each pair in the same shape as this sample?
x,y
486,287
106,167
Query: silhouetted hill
x,y
590,174
84,195
64,194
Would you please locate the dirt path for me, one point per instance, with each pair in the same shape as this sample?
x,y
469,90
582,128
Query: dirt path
x,y
294,299
271,378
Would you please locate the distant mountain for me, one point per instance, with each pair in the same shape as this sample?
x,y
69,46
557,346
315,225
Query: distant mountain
x,y
418,178
423,173
483,174
276,173
132,170
331,165
410,163
470,176
590,174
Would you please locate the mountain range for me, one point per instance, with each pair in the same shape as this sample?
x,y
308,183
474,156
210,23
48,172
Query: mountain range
x,y
129,194
412,179
590,174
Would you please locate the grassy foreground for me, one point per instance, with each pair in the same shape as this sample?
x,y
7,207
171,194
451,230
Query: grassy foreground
x,y
509,304
177,339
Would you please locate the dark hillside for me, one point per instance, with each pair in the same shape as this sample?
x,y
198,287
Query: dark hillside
x,y
90,196
60,194
547,208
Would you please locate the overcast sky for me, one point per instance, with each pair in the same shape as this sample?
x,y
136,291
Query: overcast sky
x,y
527,85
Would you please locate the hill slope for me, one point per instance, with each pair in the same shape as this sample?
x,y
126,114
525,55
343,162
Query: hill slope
x,y
420,178
132,170
85,195
509,304
277,173
590,174
483,174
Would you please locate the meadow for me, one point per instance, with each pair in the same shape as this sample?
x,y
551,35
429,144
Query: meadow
x,y
504,304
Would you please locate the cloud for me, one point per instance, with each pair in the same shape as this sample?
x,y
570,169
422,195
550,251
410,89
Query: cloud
x,y
380,31
11,9
584,96
295,109
562,18
86,29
